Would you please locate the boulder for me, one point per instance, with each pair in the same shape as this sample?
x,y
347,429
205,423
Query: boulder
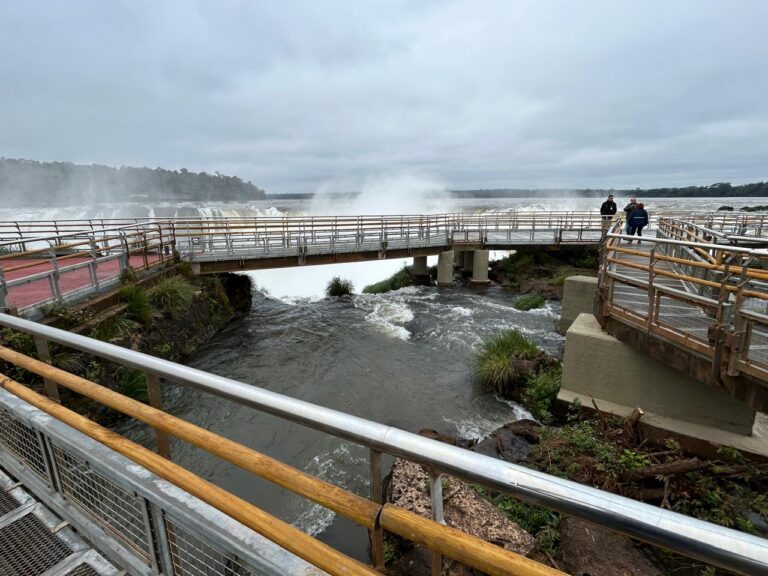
x,y
511,442
463,508
588,549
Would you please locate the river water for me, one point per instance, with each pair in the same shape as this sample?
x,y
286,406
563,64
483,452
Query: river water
x,y
402,359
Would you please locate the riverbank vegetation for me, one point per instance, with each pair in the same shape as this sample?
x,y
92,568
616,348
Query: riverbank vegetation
x,y
613,454
543,273
170,319
514,367
400,279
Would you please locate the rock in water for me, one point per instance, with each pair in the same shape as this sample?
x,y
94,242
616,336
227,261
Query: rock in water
x,y
590,549
463,508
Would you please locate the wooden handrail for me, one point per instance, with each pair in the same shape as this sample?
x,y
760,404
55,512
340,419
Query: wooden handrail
x,y
281,533
448,541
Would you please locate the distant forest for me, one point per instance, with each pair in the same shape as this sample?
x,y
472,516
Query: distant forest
x,y
31,183
721,189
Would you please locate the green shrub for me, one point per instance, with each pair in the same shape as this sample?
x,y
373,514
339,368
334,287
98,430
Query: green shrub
x,y
529,302
516,263
493,363
172,295
400,279
559,280
540,393
138,303
338,287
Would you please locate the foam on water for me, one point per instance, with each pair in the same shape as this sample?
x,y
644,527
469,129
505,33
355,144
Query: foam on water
x,y
339,465
387,312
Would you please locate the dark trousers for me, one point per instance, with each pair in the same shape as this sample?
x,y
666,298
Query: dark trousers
x,y
638,229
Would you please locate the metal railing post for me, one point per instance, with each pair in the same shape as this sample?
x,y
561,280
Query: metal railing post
x,y
54,277
51,389
4,305
436,494
377,495
155,397
94,263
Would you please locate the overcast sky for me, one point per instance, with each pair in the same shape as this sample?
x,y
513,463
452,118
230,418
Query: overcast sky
x,y
295,96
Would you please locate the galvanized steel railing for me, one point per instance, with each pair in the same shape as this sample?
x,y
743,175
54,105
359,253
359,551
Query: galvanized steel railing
x,y
707,542
52,262
142,523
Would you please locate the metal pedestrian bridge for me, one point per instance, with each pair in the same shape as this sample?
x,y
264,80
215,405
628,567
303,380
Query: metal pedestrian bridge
x,y
693,293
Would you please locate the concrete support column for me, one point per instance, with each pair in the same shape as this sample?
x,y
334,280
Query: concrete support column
x,y
458,259
420,266
469,262
480,267
445,268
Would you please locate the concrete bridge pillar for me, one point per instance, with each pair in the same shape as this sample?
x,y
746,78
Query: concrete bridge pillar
x,y
480,267
458,259
420,266
620,377
469,261
445,268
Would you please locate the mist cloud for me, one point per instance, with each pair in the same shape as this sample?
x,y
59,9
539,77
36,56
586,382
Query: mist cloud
x,y
470,94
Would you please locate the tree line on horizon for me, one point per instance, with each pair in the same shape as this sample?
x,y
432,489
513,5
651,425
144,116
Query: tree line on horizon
x,y
719,189
33,183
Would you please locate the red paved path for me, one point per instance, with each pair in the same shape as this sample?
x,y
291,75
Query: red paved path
x,y
40,290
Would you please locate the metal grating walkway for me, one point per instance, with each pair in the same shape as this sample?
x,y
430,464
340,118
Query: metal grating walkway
x,y
33,541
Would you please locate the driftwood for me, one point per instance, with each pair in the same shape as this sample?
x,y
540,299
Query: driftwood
x,y
667,469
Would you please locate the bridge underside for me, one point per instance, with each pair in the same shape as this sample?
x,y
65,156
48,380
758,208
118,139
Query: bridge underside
x,y
244,262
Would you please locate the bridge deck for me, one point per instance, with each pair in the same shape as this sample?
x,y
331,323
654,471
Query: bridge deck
x,y
34,541
685,317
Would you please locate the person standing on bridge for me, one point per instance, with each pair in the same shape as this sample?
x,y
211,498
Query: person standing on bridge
x,y
637,221
628,209
607,210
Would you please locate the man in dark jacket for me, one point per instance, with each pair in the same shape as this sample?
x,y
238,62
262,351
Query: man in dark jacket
x,y
637,221
607,210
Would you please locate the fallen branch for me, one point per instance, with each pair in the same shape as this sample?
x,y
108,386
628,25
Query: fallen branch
x,y
667,469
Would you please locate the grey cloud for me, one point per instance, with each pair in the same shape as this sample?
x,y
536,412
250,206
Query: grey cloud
x,y
475,94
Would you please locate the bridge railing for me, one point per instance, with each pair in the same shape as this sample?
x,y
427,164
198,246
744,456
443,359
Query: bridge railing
x,y
723,547
40,270
372,514
706,297
144,524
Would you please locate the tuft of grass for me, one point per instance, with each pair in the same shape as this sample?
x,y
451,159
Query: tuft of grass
x,y
338,287
529,302
138,303
493,365
172,295
400,279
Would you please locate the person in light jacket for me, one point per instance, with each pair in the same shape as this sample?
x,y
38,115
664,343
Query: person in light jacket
x,y
638,220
